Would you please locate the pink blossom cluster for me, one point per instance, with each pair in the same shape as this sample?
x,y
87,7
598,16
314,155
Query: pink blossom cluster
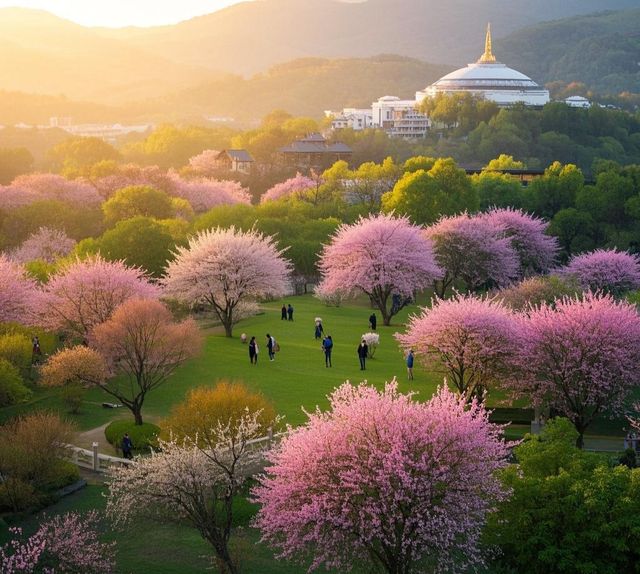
x,y
205,163
537,250
378,252
67,543
17,292
293,185
385,478
583,354
46,244
204,193
131,175
474,250
27,189
472,340
605,270
85,293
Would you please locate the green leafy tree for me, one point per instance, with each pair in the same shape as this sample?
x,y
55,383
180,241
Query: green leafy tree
x,y
555,190
139,241
424,196
137,200
568,511
574,229
77,155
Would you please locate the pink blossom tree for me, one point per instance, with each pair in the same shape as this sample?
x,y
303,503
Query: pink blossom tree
x,y
142,342
470,339
17,292
381,478
606,270
196,479
46,245
474,251
205,163
537,250
223,268
132,175
380,255
65,543
298,184
27,189
203,194
85,293
581,357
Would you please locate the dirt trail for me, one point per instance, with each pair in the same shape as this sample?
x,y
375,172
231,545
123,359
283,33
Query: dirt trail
x,y
87,438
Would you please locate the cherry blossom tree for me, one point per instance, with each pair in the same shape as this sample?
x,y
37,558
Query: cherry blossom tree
x,y
223,268
534,291
205,163
379,255
203,193
605,270
86,292
17,292
132,175
46,244
581,357
142,342
26,189
382,478
197,484
298,184
472,250
470,339
537,250
64,543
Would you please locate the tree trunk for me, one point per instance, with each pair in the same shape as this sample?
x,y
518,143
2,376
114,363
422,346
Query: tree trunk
x,y
137,414
228,329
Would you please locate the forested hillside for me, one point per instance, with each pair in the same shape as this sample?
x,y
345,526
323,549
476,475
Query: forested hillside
x,y
602,51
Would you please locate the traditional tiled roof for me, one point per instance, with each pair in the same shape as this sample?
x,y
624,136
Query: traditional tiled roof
x,y
237,154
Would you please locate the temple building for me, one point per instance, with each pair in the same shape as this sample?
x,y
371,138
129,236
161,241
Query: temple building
x,y
490,79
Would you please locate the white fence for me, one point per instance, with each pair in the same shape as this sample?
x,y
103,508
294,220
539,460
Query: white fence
x,y
102,463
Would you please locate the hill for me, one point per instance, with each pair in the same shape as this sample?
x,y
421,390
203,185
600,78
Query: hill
x,y
599,50
252,36
304,87
44,54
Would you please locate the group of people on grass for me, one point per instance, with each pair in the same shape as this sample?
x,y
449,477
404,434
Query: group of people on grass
x,y
326,345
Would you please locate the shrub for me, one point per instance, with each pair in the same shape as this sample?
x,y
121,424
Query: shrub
x,y
373,341
205,407
17,494
142,436
62,473
12,388
72,396
17,349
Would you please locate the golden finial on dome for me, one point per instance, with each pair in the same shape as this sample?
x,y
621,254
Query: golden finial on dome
x,y
487,57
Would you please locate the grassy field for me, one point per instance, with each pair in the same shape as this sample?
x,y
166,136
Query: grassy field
x,y
297,379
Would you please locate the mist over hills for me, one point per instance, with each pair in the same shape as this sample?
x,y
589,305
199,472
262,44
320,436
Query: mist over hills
x,y
50,66
252,36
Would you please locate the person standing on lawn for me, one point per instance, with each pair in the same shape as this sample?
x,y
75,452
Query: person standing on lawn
x,y
253,351
290,312
410,365
363,351
127,446
327,347
283,313
271,343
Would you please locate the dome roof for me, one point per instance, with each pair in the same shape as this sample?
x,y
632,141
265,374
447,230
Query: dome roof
x,y
487,75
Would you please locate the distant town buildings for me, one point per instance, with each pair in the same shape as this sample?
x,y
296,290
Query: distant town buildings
x,y
107,132
314,151
486,78
577,102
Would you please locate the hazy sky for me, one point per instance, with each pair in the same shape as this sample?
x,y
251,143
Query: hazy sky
x,y
117,13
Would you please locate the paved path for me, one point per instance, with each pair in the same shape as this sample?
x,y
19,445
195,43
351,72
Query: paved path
x,y
87,438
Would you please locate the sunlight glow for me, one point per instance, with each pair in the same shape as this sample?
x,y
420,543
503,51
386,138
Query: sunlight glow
x,y
120,13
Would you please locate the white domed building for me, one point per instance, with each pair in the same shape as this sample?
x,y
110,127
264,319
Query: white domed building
x,y
490,79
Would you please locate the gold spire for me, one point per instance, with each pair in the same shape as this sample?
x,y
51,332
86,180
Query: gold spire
x,y
487,57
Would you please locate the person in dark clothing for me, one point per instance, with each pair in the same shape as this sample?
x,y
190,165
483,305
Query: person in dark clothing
x,y
319,329
363,351
283,313
253,351
327,347
127,446
271,343
290,312
410,365
373,321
